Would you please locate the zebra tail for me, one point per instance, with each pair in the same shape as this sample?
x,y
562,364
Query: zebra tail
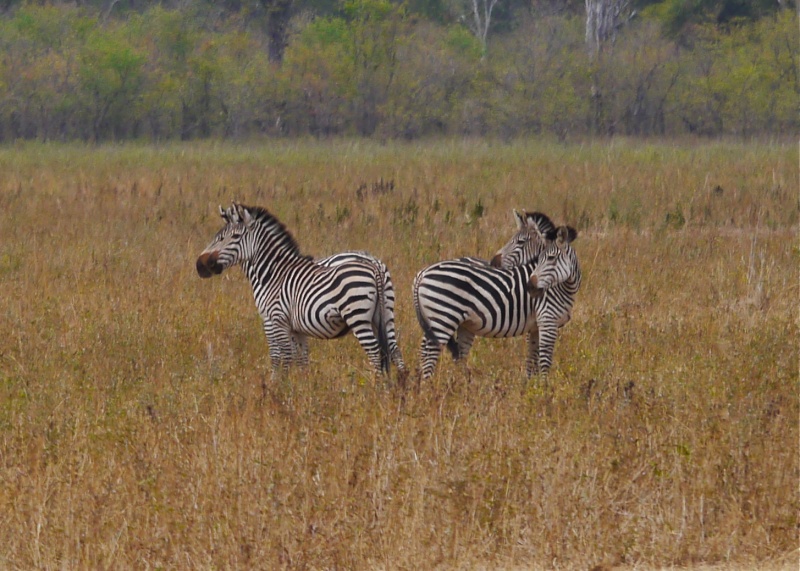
x,y
380,325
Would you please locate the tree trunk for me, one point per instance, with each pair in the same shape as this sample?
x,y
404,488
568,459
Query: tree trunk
x,y
278,14
482,18
603,18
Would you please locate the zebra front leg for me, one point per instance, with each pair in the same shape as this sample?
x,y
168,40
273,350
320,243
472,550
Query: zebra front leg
x,y
547,342
397,358
391,332
369,342
300,349
464,341
532,360
395,354
281,348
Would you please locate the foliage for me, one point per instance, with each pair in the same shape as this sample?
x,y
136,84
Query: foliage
x,y
376,67
678,16
109,77
730,87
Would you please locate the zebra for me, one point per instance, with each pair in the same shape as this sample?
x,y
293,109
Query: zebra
x,y
296,297
554,283
456,300
388,293
524,246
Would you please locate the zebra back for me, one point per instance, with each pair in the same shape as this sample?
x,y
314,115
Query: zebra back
x,y
449,293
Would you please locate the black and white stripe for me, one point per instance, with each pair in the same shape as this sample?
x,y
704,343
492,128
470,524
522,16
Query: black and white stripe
x,y
528,241
388,293
296,297
554,283
525,245
459,299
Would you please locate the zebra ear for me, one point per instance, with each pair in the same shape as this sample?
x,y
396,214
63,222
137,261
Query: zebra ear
x,y
565,235
244,215
233,213
519,219
223,214
541,222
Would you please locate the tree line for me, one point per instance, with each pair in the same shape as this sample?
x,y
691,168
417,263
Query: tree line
x,y
117,70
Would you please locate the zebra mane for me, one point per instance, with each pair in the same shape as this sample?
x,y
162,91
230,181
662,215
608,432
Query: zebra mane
x,y
542,222
276,227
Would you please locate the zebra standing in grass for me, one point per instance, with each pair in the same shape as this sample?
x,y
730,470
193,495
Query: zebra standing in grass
x,y
296,297
524,246
553,284
461,299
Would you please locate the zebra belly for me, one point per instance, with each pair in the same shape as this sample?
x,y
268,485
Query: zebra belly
x,y
511,327
327,325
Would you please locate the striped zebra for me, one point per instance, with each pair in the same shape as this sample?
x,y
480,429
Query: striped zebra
x,y
524,246
553,284
296,297
456,300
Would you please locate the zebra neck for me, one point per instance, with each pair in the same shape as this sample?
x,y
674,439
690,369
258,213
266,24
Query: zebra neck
x,y
268,263
573,282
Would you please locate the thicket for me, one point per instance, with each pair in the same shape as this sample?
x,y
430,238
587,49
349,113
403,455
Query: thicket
x,y
381,69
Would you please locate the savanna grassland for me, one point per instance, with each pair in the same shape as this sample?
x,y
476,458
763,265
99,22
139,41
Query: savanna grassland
x,y
139,426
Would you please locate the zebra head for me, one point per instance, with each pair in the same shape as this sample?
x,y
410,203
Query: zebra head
x,y
557,264
228,247
534,229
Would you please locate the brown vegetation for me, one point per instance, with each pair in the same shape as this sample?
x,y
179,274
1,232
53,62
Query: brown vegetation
x,y
136,429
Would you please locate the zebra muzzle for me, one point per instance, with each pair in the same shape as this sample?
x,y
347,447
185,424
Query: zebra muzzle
x,y
533,287
207,265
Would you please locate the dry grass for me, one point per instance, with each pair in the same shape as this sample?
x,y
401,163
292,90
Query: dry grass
x,y
135,432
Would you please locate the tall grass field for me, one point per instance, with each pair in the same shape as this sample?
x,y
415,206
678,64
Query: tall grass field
x,y
140,427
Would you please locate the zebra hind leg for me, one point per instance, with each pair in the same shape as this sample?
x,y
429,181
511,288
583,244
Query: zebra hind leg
x,y
429,352
371,345
464,342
